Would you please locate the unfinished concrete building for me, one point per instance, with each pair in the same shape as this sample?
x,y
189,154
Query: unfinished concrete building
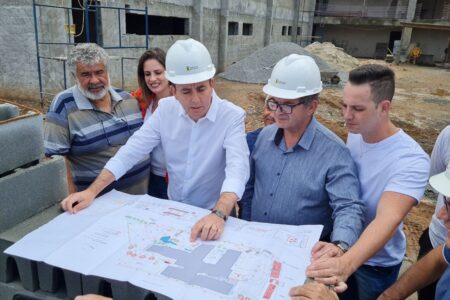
x,y
367,28
36,35
230,29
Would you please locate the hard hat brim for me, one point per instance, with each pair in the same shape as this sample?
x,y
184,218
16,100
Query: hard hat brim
x,y
286,94
441,183
191,78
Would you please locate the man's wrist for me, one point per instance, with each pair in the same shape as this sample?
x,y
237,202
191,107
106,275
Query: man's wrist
x,y
220,213
341,245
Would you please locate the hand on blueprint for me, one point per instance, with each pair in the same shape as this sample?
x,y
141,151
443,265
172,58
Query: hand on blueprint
x,y
330,271
323,250
210,227
314,291
77,201
92,297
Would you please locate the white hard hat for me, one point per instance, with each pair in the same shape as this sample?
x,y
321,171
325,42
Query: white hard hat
x,y
441,182
188,61
294,76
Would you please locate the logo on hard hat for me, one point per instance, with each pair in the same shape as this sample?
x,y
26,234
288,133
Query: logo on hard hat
x,y
188,68
277,81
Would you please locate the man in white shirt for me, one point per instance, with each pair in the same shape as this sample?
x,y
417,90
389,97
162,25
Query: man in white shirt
x,y
393,171
203,139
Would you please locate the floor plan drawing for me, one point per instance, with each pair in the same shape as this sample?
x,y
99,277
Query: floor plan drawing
x,y
145,241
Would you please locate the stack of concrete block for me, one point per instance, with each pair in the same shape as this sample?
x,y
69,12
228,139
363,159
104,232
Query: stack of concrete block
x,y
30,188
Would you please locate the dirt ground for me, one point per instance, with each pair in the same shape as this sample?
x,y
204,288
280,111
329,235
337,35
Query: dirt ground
x,y
421,107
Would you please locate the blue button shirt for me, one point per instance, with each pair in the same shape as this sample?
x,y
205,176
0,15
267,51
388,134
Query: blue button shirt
x,y
315,182
252,137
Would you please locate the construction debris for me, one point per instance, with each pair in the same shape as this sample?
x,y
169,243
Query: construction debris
x,y
257,67
334,56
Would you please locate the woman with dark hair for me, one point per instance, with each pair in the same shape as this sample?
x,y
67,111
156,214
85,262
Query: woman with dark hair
x,y
153,86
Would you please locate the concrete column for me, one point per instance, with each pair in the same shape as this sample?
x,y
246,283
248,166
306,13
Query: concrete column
x,y
406,38
307,20
406,33
223,34
269,23
411,10
295,37
197,20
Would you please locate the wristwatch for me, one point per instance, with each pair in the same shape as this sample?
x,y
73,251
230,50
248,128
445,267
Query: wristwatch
x,y
341,245
221,214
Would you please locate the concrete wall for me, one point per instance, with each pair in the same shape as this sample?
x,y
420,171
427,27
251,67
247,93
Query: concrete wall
x,y
252,12
208,21
358,41
18,74
434,43
207,18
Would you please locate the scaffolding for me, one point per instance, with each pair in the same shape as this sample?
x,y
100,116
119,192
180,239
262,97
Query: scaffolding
x,y
86,8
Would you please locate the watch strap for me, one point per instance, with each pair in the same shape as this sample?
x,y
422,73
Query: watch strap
x,y
220,213
341,245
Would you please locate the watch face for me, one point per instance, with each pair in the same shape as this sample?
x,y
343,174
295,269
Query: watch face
x,y
220,214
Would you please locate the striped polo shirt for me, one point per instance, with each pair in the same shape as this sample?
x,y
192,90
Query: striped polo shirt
x,y
89,137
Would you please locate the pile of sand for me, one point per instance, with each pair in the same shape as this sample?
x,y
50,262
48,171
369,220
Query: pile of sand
x,y
334,56
256,68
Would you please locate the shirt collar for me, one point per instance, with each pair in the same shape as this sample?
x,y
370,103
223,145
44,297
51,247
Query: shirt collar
x,y
212,111
84,103
306,139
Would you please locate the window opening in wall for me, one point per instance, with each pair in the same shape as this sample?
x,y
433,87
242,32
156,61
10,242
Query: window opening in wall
x,y
157,25
283,30
289,30
233,28
78,20
299,31
247,29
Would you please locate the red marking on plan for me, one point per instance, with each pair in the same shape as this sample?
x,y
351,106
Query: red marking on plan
x,y
269,291
276,268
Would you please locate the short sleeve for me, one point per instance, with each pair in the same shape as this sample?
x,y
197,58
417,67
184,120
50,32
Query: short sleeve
x,y
411,176
57,139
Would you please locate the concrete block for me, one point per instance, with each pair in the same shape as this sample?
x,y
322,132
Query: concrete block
x,y
9,290
8,111
118,290
73,284
135,292
29,191
21,141
28,273
8,266
50,278
95,285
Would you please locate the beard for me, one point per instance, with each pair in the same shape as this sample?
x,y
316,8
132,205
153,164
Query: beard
x,y
94,96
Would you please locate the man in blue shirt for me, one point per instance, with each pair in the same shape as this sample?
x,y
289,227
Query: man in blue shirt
x,y
301,172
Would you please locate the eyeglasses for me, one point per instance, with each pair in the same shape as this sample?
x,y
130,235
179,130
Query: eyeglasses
x,y
116,131
284,108
107,137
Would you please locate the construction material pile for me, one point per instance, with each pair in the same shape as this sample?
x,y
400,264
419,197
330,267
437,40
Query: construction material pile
x,y
334,56
257,67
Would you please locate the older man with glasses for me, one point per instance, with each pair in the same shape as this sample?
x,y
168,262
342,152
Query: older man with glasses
x,y
90,121
301,172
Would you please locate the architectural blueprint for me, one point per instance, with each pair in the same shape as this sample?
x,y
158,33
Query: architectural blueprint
x,y
145,241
